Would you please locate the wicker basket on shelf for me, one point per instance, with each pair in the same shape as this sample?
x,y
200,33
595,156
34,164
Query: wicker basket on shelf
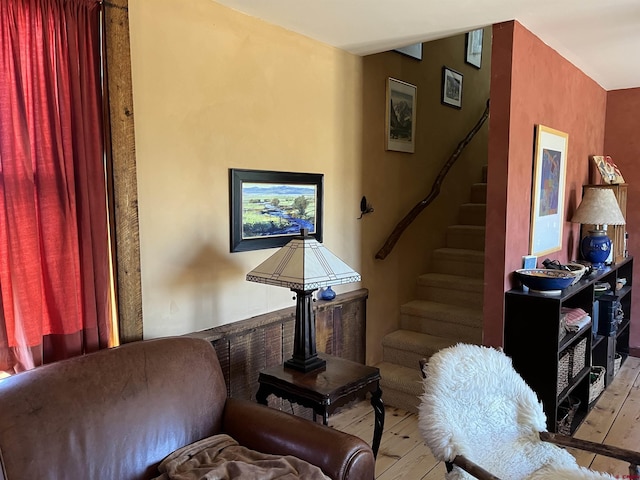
x,y
566,412
596,382
578,360
617,361
564,367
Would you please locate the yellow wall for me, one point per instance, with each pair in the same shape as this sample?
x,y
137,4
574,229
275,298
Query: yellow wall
x,y
215,89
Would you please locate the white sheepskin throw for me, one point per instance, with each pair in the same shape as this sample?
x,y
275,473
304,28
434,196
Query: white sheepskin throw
x,y
475,404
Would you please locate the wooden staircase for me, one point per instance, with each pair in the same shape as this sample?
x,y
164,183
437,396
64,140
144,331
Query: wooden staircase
x,y
447,310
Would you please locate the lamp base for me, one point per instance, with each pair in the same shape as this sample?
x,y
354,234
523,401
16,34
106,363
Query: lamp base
x,y
305,365
304,359
596,248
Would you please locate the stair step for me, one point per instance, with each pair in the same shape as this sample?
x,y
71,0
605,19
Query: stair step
x,y
469,237
479,193
439,319
473,213
401,386
459,261
407,348
451,289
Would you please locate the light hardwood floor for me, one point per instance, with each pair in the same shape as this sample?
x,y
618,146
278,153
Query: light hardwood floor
x,y
403,455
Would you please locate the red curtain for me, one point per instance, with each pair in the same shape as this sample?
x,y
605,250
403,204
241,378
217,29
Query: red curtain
x,y
54,276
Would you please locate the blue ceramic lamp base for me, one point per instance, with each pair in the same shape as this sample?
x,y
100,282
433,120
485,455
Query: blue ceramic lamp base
x,y
596,248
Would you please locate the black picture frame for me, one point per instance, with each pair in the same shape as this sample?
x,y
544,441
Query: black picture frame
x,y
271,197
451,87
473,48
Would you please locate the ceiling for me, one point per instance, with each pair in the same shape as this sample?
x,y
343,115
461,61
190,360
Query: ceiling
x,y
600,37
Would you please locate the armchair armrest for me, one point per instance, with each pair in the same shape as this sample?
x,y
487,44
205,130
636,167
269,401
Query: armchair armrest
x,y
633,458
471,468
340,456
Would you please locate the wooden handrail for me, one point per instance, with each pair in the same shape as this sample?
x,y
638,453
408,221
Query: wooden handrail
x,y
435,190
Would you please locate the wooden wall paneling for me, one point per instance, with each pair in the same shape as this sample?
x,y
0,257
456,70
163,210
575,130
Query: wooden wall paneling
x,y
247,346
337,337
222,351
273,345
247,354
324,330
273,356
288,331
353,330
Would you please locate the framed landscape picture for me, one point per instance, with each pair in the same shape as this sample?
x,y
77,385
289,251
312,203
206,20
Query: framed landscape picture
x,y
401,116
547,202
267,208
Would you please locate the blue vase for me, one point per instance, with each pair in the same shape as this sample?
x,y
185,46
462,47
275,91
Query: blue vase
x,y
328,294
596,248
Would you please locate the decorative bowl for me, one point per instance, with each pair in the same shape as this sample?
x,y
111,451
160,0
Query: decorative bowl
x,y
545,279
578,270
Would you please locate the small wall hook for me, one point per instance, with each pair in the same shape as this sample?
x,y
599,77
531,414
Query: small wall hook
x,y
364,207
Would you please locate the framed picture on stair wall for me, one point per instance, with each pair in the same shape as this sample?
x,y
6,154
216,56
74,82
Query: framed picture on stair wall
x,y
401,116
547,198
451,87
473,48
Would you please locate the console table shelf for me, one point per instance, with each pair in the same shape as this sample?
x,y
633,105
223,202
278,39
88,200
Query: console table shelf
x,y
542,358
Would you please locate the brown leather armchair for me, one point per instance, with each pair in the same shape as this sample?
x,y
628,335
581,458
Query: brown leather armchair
x,y
117,413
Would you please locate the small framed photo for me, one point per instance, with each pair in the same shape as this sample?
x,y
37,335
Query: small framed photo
x,y
473,48
267,209
401,116
529,261
451,87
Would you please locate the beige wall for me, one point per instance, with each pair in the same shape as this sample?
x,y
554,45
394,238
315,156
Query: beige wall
x,y
215,89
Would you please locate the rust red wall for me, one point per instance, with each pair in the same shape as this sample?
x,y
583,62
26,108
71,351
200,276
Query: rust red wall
x,y
622,142
531,84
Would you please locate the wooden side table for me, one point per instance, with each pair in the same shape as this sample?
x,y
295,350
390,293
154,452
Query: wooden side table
x,y
326,389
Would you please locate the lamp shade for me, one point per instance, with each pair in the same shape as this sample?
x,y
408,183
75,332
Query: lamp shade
x,y
598,207
303,264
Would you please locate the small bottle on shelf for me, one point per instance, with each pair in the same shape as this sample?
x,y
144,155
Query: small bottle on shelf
x,y
626,244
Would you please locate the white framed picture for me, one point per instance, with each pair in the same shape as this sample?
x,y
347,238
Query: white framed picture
x,y
473,48
401,116
451,87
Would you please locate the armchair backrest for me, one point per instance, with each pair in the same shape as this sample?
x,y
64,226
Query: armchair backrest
x,y
112,414
474,398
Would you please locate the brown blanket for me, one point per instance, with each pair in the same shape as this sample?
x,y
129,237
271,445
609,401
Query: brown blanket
x,y
220,457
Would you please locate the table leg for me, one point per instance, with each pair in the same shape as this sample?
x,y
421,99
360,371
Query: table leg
x,y
378,408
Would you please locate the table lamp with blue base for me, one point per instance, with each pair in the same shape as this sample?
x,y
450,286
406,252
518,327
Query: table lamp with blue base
x,y
598,208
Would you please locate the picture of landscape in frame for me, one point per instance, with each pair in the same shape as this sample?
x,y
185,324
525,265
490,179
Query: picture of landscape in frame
x,y
269,208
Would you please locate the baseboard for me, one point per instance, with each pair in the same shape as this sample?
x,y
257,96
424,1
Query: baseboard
x,y
634,352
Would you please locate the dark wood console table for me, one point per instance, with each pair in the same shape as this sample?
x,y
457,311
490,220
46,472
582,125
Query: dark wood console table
x,y
326,389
